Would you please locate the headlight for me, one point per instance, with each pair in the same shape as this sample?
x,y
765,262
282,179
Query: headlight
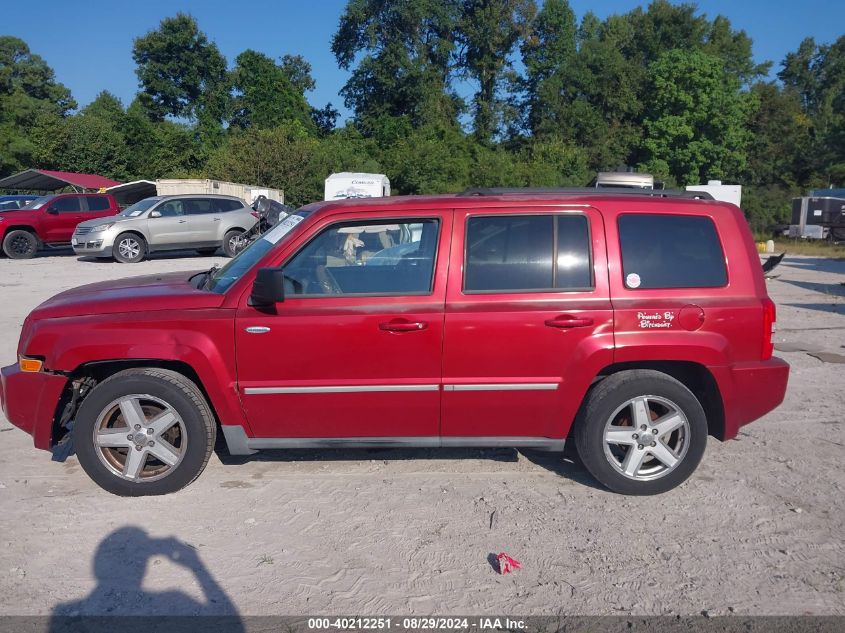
x,y
102,227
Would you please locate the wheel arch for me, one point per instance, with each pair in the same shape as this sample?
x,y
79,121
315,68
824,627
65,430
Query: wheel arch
x,y
694,376
99,370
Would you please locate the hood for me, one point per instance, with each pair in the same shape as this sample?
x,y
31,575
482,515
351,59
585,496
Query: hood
x,y
109,219
171,291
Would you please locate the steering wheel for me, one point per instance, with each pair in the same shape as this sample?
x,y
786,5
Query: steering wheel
x,y
326,281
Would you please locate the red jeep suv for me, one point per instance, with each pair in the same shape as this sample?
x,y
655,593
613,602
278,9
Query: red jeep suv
x,y
49,221
634,324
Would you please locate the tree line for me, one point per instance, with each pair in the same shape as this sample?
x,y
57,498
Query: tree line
x,y
661,88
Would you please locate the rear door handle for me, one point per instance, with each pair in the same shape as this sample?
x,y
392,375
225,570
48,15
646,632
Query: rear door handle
x,y
182,221
402,325
566,321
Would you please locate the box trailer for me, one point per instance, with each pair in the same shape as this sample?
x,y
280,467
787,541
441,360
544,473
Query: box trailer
x,y
179,186
356,185
819,217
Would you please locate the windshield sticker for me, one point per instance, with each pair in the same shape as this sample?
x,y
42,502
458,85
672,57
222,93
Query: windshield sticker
x,y
655,320
632,280
283,228
136,213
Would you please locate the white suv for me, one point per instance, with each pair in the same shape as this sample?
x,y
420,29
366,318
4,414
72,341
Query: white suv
x,y
164,223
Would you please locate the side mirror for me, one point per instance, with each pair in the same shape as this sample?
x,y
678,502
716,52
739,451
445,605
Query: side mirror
x,y
52,211
268,287
155,214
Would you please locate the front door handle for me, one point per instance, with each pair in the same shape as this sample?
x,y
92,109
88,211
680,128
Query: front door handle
x,y
565,321
402,325
182,221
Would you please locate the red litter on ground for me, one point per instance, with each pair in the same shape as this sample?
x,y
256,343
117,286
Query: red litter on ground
x,y
507,564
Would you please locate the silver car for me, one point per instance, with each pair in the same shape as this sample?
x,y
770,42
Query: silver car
x,y
164,223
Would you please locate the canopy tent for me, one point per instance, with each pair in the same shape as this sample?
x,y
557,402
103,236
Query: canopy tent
x,y
47,180
131,192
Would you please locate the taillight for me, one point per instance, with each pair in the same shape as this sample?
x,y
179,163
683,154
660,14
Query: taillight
x,y
769,319
255,214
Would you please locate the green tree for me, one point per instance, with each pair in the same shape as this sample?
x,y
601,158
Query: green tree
x,y
87,142
264,94
281,157
298,72
817,73
696,122
548,53
30,97
181,73
160,149
403,50
487,33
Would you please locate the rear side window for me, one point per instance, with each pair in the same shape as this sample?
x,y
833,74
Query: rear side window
x,y
97,203
68,204
527,253
228,205
200,206
671,251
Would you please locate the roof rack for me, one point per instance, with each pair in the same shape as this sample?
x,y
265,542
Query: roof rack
x,y
613,191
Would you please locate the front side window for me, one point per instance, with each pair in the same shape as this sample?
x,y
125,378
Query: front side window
x,y
171,209
671,251
68,204
366,258
527,253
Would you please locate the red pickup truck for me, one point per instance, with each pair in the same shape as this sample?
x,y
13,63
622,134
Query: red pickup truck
x,y
633,324
49,221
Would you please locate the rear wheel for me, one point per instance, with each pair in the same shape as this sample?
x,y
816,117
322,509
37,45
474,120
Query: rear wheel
x,y
144,431
129,248
20,244
641,432
231,242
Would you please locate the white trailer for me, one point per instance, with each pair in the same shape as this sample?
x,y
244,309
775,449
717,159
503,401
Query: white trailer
x,y
177,186
725,193
356,185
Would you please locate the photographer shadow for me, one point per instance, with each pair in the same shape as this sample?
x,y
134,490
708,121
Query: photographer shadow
x,y
119,602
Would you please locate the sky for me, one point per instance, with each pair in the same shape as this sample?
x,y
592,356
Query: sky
x,y
89,42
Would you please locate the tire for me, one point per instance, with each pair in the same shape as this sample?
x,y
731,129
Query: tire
x,y
207,252
185,439
614,403
229,248
20,244
129,248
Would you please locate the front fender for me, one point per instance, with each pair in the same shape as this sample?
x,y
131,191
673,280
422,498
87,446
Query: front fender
x,y
202,339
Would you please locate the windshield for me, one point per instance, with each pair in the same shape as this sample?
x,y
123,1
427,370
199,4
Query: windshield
x,y
223,279
139,207
39,202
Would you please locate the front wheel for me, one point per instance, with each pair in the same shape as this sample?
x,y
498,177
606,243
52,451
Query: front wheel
x,y
129,248
641,432
144,431
232,242
19,244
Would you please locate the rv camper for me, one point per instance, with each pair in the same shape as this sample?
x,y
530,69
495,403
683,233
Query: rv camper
x,y
353,185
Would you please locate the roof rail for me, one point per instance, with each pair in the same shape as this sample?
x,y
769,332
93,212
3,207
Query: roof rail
x,y
613,191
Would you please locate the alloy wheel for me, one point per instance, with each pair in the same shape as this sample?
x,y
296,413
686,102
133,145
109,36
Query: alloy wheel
x,y
129,248
140,438
646,438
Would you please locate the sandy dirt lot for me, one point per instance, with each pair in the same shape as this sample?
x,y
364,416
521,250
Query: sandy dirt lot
x,y
757,530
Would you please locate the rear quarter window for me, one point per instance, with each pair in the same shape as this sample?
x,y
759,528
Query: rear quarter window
x,y
671,251
97,203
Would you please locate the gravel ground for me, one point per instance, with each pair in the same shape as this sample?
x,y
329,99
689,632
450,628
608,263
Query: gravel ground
x,y
757,530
